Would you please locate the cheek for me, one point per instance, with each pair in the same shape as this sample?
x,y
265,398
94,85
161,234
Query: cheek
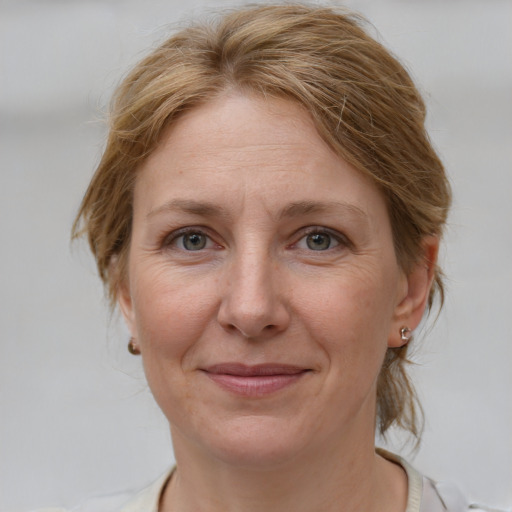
x,y
350,316
171,316
171,312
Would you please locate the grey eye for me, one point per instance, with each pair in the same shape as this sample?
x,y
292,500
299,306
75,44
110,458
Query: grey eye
x,y
194,241
318,241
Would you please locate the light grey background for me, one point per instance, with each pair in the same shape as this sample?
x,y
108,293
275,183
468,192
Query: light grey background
x,y
76,416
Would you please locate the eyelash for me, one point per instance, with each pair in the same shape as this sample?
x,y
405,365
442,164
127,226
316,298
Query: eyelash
x,y
172,239
341,240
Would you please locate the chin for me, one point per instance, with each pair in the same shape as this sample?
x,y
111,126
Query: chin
x,y
252,442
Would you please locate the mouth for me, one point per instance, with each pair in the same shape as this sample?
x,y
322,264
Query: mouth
x,y
254,381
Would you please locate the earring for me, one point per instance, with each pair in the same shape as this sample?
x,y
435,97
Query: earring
x,y
405,334
133,348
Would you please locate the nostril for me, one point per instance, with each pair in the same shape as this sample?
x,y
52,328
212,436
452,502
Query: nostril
x,y
267,328
252,318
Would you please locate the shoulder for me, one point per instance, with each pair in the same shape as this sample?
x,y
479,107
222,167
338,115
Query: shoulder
x,y
426,495
50,509
146,499
452,499
113,503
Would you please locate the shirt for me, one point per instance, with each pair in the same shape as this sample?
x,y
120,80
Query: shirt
x,y
424,495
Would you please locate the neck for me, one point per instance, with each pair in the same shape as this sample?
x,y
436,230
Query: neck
x,y
349,476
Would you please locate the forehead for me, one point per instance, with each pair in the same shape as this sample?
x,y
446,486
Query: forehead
x,y
242,127
238,148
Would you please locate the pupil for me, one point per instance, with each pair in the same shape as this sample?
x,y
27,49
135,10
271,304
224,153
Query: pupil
x,y
194,242
318,241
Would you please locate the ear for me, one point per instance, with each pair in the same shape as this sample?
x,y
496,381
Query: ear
x,y
415,292
123,296
124,299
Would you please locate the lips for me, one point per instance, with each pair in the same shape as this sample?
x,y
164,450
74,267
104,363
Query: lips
x,y
254,381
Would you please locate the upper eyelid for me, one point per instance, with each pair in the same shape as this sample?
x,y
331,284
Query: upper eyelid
x,y
168,237
319,229
171,237
301,233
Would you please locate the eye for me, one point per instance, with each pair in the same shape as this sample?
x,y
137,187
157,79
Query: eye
x,y
193,241
319,240
189,240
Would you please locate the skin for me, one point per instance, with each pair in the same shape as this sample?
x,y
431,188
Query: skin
x,y
293,264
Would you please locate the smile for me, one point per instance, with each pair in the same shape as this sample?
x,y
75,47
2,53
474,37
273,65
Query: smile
x,y
254,381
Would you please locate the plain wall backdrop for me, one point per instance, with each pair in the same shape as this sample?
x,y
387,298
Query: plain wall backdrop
x,y
76,417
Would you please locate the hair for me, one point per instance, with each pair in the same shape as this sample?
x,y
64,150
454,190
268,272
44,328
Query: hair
x,y
361,99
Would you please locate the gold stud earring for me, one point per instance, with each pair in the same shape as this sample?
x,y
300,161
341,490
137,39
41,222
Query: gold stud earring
x,y
133,347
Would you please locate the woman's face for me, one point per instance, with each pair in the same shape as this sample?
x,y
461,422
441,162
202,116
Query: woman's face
x,y
263,287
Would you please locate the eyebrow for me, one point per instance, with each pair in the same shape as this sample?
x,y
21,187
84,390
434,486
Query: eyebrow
x,y
191,206
295,209
300,208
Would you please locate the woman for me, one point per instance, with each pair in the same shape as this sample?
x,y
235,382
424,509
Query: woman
x,y
267,214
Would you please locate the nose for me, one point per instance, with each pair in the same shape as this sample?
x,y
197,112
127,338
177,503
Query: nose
x,y
253,297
